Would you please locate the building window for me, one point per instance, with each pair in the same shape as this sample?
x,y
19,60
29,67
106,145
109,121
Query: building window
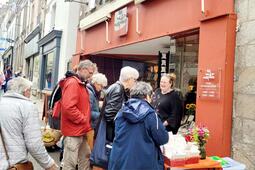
x,y
36,72
49,58
29,70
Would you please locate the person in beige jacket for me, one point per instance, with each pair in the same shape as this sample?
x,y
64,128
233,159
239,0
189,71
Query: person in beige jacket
x,y
19,122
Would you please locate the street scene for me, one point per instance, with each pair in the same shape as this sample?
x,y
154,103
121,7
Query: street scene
x,y
127,84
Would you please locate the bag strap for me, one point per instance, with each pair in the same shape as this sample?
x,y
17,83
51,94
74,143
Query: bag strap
x,y
5,150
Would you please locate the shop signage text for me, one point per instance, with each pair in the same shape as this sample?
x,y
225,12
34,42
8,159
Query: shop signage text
x,y
121,22
164,62
210,84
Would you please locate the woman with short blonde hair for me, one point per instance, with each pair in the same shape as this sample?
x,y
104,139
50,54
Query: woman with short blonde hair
x,y
168,103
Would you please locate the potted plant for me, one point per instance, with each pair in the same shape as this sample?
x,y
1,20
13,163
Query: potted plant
x,y
200,135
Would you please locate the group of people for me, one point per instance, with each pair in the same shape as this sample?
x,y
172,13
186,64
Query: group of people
x,y
7,75
4,78
137,120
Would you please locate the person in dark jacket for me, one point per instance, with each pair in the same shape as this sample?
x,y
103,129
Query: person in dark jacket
x,y
8,76
116,95
98,82
138,134
168,103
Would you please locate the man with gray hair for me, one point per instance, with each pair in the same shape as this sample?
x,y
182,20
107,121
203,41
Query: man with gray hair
x,y
20,130
116,95
75,117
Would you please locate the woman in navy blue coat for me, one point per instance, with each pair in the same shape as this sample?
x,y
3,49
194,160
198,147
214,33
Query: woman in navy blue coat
x,y
138,134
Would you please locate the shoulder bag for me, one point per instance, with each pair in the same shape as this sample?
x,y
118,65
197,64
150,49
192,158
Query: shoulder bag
x,y
19,166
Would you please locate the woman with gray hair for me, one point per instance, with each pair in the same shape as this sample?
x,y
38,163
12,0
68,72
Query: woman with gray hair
x,y
19,130
139,133
115,96
98,82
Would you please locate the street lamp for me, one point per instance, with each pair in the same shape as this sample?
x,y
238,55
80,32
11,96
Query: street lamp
x,y
86,3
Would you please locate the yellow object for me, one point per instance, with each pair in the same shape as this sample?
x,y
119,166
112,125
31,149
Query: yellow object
x,y
47,137
190,87
90,138
50,136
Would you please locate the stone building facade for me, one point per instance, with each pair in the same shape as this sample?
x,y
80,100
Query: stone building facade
x,y
243,133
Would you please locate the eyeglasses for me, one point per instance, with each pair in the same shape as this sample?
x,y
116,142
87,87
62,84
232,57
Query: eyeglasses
x,y
90,72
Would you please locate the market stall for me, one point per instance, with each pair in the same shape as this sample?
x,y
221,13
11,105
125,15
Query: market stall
x,y
187,151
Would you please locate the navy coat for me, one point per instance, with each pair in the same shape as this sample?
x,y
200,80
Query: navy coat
x,y
94,106
138,136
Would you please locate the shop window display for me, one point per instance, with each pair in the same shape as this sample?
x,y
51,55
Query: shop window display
x,y
184,63
48,70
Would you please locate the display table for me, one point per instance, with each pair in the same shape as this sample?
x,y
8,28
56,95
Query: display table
x,y
233,165
203,164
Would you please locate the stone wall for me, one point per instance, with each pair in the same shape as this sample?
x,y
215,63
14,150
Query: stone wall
x,y
243,134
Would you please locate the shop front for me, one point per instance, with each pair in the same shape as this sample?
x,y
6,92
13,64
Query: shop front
x,y
193,39
31,52
7,57
49,59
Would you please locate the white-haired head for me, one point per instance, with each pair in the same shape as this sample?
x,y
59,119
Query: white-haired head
x,y
20,85
128,76
127,73
100,79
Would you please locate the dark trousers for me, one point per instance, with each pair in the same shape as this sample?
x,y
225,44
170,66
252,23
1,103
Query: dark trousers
x,y
110,126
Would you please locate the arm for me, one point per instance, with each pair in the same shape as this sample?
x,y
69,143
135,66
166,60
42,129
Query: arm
x,y
69,101
93,106
157,130
113,103
32,137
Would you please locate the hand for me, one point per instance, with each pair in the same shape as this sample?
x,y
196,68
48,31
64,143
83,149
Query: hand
x,y
165,123
53,167
45,120
49,112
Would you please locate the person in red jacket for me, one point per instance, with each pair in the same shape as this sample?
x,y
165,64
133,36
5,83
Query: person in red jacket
x,y
75,117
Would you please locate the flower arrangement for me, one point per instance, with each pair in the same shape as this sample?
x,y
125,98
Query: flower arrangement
x,y
190,109
200,135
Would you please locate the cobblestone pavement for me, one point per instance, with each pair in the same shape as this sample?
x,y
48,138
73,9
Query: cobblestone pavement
x,y
54,155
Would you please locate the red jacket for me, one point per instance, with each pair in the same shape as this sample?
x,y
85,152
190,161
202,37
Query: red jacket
x,y
75,107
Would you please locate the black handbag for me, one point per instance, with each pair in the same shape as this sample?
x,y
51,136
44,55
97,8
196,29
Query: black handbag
x,y
102,148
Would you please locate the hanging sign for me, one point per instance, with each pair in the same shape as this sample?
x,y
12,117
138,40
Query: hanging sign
x,y
121,22
163,63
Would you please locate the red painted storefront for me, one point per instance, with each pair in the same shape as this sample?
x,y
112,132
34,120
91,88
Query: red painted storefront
x,y
216,27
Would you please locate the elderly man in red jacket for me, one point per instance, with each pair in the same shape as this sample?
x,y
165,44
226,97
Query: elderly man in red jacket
x,y
75,117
